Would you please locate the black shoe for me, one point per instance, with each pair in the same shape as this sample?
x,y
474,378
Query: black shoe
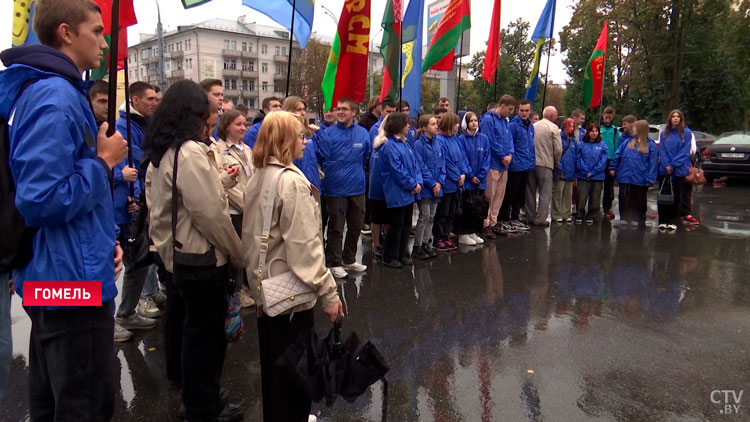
x,y
222,397
429,250
488,233
407,260
392,263
378,252
419,253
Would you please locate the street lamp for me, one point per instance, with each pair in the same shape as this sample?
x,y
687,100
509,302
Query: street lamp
x,y
330,14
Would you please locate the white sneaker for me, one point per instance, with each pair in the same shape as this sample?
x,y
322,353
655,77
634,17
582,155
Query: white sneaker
x,y
339,272
136,322
312,418
477,239
147,309
465,239
355,267
671,227
122,334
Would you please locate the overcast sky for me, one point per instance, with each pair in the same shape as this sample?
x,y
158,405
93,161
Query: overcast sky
x,y
173,14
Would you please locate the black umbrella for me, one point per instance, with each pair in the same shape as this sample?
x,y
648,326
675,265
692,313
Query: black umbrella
x,y
328,368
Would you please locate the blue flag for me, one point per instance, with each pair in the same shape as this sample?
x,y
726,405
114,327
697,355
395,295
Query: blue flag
x,y
412,56
281,12
542,33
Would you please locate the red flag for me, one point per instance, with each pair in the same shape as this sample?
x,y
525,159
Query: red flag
x,y
593,78
126,18
455,20
493,46
390,49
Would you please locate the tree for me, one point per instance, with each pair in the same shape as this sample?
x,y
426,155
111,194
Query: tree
x,y
308,68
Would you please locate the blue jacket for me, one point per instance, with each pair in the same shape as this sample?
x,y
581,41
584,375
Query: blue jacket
x,y
675,152
524,153
568,160
411,136
373,132
309,164
62,187
591,157
122,188
501,141
343,154
377,191
455,162
401,173
635,167
252,135
430,153
477,151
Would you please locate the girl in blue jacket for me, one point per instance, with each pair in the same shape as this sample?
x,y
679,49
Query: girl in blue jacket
x,y
674,163
564,175
401,173
456,169
430,153
591,161
635,165
476,147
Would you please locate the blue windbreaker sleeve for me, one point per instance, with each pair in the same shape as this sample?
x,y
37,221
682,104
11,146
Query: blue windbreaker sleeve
x,y
53,186
482,172
683,153
117,175
580,164
601,165
465,145
427,179
322,147
368,152
465,166
400,173
665,158
511,147
615,163
653,162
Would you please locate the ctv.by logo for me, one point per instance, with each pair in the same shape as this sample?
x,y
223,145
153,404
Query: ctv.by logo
x,y
730,399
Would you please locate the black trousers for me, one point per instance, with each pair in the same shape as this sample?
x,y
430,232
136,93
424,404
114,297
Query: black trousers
x,y
204,344
71,364
633,202
608,195
283,401
670,213
397,236
444,214
515,196
174,317
686,204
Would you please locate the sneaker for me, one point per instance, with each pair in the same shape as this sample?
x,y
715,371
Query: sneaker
x,y
312,418
451,245
662,226
510,228
558,220
589,221
432,252
378,251
579,221
609,214
520,225
477,238
419,253
366,229
357,268
489,233
442,246
393,263
569,220
122,334
147,309
136,322
406,260
246,301
671,227
689,219
465,239
158,298
339,272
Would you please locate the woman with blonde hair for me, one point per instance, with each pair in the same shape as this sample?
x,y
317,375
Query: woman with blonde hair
x,y
635,165
376,194
294,243
456,169
309,162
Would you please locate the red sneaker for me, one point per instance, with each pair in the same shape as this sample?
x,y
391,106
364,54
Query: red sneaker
x,y
609,214
689,219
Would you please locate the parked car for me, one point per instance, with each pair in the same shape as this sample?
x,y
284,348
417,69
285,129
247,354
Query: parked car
x,y
728,155
703,139
654,132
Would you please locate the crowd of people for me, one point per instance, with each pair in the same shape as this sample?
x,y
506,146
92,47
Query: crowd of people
x,y
257,196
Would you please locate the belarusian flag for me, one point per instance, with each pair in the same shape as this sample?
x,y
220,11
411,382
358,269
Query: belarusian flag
x,y
593,79
346,71
390,49
126,18
455,20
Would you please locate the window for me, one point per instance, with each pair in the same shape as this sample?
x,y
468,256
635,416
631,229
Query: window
x,y
226,83
189,44
252,85
234,45
278,51
244,65
226,44
264,67
264,49
226,64
233,64
251,103
251,66
264,87
244,46
179,64
189,63
283,51
146,53
250,47
244,84
278,70
143,72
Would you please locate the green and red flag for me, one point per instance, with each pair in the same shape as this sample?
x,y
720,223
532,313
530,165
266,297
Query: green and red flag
x,y
593,79
455,20
390,49
126,18
346,70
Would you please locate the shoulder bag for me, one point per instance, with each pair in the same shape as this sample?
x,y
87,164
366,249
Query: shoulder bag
x,y
666,192
283,291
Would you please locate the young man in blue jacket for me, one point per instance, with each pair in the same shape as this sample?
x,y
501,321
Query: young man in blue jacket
x,y
62,168
524,159
494,124
343,152
269,104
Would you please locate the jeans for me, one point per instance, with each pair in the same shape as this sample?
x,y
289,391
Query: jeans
x,y
496,182
6,339
133,279
427,209
589,191
349,210
540,181
515,196
151,285
562,190
71,364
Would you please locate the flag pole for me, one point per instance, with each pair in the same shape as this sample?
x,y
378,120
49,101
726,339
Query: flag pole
x,y
291,38
400,59
113,44
546,73
495,94
127,122
458,89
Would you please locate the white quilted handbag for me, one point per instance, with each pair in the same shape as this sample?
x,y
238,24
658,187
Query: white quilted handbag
x,y
283,291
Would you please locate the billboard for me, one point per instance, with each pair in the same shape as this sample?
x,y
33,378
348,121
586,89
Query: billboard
x,y
435,12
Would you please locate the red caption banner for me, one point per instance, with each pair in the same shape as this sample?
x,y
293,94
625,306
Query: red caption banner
x,y
62,293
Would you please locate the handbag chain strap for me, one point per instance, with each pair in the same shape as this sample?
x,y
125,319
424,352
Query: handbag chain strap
x,y
265,234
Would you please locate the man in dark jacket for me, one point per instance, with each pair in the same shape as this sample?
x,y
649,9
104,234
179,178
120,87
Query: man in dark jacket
x,y
372,116
62,169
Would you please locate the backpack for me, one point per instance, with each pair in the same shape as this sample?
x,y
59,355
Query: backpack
x,y
16,246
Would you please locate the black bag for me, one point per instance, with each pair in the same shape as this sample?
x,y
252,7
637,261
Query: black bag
x,y
188,267
138,240
16,244
666,192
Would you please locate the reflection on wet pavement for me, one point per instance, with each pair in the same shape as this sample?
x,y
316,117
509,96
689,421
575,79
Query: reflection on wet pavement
x,y
571,323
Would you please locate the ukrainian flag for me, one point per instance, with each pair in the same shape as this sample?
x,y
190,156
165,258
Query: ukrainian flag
x,y
542,33
23,16
281,12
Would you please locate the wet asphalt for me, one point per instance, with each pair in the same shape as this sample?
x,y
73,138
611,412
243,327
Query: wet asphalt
x,y
568,323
